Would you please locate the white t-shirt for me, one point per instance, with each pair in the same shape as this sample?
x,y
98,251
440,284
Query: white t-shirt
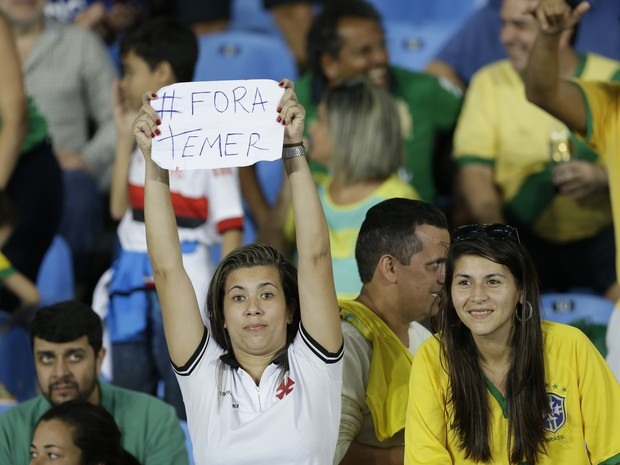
x,y
205,202
289,418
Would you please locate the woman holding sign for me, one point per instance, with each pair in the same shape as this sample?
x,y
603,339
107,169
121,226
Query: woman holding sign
x,y
269,367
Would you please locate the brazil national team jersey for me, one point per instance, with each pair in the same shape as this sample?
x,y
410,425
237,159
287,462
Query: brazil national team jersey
x,y
582,428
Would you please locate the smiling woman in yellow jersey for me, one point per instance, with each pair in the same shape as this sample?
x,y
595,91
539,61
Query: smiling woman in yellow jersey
x,y
497,385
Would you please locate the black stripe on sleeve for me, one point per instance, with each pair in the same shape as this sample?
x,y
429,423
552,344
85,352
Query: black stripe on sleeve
x,y
187,369
319,351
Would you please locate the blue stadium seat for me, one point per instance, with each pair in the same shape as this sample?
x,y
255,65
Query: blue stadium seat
x,y
421,11
250,15
588,312
451,10
403,10
56,279
188,442
243,55
412,46
598,29
16,361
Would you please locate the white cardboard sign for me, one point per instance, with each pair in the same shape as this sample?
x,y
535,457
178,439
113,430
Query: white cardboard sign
x,y
217,124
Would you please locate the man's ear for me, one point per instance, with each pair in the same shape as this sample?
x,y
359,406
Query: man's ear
x,y
387,268
99,360
330,66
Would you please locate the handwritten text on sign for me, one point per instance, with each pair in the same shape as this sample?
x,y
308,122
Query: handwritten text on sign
x,y
217,124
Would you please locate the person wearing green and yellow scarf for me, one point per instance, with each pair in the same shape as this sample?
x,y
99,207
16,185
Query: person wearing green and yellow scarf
x,y
399,252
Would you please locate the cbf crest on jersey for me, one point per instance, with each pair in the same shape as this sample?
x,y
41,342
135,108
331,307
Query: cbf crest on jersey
x,y
557,417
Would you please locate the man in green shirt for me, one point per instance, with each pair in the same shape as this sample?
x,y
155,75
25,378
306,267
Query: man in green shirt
x,y
68,353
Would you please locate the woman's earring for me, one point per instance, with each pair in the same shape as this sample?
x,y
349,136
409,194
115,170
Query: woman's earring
x,y
530,312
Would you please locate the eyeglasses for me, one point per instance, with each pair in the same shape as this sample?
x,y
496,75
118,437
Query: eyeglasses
x,y
494,231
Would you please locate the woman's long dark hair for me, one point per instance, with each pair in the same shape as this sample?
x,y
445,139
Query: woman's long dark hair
x,y
526,398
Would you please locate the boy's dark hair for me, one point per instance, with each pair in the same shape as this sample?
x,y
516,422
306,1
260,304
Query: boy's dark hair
x,y
67,321
164,39
8,214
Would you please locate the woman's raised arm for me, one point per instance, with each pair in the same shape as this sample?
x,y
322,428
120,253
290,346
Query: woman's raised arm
x,y
317,295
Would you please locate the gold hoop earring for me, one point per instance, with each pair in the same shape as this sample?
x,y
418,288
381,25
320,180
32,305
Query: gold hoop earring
x,y
529,315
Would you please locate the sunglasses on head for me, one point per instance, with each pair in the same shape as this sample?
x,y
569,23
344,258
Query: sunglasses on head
x,y
494,231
